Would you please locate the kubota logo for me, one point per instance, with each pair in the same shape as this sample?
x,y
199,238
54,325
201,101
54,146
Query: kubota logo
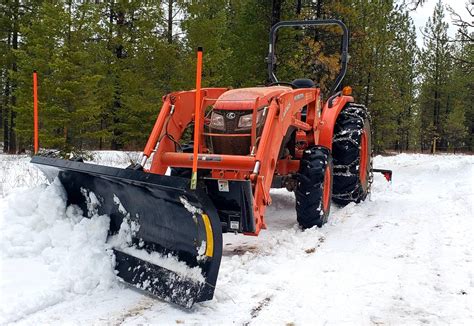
x,y
287,108
230,115
298,97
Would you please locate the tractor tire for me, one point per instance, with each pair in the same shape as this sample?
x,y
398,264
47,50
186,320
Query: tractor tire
x,y
313,191
352,155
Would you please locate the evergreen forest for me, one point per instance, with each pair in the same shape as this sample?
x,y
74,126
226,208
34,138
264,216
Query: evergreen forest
x,y
104,65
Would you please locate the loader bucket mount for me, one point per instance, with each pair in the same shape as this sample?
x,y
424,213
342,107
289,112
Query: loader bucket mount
x,y
175,245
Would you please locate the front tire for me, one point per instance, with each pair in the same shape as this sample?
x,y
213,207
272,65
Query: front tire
x,y
352,155
313,192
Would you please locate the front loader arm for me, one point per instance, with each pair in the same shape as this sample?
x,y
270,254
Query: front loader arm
x,y
284,112
175,115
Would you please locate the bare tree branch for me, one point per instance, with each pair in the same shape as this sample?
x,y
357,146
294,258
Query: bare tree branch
x,y
415,4
437,39
462,23
461,60
458,20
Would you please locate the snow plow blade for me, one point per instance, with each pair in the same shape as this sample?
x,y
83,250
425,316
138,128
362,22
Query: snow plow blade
x,y
174,235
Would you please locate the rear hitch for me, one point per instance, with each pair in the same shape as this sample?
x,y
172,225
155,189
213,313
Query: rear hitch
x,y
386,173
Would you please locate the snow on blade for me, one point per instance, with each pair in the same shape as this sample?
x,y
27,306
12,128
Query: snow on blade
x,y
123,242
169,262
92,202
189,207
120,206
201,249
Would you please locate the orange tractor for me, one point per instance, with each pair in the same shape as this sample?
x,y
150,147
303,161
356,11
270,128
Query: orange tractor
x,y
246,141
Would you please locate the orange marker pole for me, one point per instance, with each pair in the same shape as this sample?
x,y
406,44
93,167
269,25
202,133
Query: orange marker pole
x,y
35,111
197,118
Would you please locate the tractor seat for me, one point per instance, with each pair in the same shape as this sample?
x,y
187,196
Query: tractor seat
x,y
303,83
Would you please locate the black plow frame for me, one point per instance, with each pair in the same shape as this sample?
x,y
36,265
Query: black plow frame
x,y
171,218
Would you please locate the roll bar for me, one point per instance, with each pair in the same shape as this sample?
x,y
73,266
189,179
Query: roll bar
x,y
294,23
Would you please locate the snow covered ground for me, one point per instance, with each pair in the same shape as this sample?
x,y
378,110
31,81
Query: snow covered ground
x,y
403,257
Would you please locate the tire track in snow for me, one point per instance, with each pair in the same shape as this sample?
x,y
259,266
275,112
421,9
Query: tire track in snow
x,y
132,312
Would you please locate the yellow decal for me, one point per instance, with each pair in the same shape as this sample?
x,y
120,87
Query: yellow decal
x,y
209,235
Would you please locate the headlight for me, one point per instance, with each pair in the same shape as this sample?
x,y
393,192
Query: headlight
x,y
217,121
245,121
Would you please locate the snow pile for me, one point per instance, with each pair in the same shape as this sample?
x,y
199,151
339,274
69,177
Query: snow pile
x,y
17,172
115,158
49,252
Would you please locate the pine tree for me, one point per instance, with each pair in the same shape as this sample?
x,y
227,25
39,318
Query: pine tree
x,y
205,26
246,35
372,34
14,14
435,67
402,73
459,126
131,57
68,78
104,66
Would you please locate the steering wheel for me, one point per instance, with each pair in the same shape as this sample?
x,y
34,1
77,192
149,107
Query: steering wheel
x,y
283,83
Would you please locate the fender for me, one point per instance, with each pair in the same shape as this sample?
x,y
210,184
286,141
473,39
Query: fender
x,y
329,117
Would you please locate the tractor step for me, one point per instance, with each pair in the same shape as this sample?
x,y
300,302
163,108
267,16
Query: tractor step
x,y
161,219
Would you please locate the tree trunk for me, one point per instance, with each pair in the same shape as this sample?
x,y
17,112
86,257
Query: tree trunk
x,y
12,135
367,93
318,9
398,143
275,18
436,110
101,128
276,11
66,129
116,142
298,7
407,133
3,78
170,21
6,114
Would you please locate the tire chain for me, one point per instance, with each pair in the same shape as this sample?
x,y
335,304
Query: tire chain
x,y
311,186
358,111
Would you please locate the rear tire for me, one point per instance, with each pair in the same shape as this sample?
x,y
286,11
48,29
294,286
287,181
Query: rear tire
x,y
313,193
352,155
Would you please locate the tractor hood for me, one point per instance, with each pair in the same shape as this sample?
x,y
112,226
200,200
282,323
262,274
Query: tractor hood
x,y
244,98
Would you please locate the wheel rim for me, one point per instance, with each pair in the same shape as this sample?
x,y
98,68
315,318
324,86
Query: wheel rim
x,y
363,158
327,189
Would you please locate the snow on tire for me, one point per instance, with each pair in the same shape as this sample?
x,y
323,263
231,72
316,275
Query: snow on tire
x,y
313,193
352,155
